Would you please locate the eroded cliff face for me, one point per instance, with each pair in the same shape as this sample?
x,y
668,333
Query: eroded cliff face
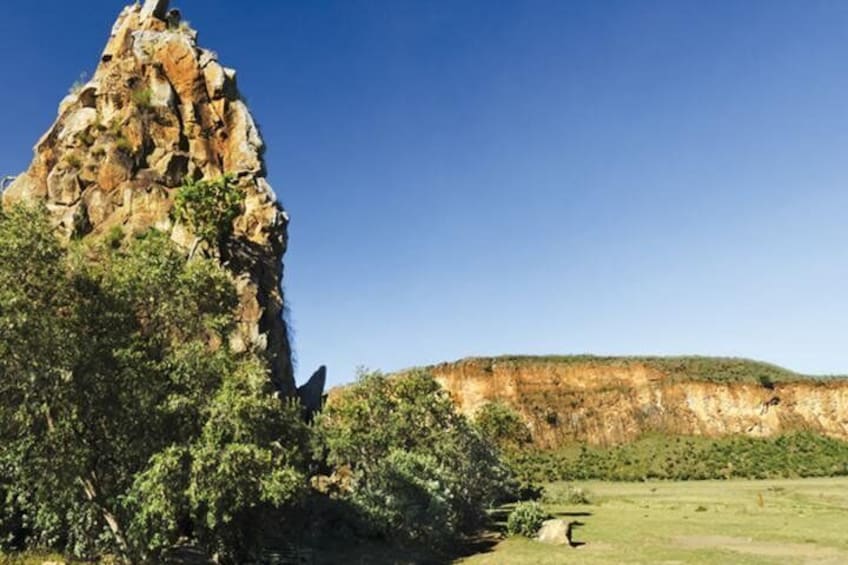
x,y
607,403
157,110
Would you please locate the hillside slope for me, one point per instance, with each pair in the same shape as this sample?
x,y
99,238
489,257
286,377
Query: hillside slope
x,y
613,400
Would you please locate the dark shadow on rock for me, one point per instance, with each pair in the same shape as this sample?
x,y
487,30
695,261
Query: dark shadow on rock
x,y
258,262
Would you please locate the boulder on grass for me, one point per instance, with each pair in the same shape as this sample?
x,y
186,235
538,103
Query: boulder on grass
x,y
554,532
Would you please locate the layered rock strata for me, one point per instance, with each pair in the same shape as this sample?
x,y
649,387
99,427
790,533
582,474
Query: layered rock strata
x,y
614,401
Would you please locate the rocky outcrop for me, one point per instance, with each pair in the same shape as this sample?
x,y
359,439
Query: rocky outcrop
x,y
558,532
157,110
311,394
607,401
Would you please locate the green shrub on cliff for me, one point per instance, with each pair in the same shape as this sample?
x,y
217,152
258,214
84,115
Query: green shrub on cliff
x,y
208,208
125,420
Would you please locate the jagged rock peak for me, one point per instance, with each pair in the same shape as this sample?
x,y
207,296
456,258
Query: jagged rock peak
x,y
159,109
155,8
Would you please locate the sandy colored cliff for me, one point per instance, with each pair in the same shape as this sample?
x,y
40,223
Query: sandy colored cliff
x,y
614,400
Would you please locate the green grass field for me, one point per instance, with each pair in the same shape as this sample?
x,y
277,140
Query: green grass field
x,y
737,521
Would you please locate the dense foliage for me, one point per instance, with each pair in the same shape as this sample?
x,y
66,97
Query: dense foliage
x,y
419,471
800,454
128,425
525,519
209,207
126,421
503,426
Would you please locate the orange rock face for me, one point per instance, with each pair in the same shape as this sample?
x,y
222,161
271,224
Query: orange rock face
x,y
157,110
613,401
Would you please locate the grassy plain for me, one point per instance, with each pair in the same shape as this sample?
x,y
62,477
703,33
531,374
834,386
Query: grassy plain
x,y
736,521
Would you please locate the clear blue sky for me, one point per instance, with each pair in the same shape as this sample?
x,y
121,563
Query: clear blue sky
x,y
473,177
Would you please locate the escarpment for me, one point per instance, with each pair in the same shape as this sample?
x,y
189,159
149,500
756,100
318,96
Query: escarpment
x,y
159,109
607,401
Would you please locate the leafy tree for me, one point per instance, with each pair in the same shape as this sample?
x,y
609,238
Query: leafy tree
x,y
243,472
420,470
505,428
209,208
412,493
125,420
502,425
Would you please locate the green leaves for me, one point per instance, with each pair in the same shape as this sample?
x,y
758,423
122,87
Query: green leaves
x,y
158,501
420,471
526,519
502,425
125,420
209,207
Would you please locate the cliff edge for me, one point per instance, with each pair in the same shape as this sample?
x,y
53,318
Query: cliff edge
x,y
609,400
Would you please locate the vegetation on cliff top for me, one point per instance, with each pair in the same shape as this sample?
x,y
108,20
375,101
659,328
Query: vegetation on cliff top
x,y
675,368
209,208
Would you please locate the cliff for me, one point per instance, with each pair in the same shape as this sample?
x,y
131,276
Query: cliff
x,y
606,401
160,109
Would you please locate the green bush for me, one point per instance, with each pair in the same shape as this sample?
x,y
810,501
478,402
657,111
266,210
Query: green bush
x,y
411,493
209,208
525,519
526,489
420,470
502,425
577,495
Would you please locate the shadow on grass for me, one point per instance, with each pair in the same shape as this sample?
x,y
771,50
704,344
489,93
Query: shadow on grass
x,y
338,534
367,552
572,526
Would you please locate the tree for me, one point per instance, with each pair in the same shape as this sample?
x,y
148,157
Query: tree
x,y
420,470
125,419
243,473
209,208
502,425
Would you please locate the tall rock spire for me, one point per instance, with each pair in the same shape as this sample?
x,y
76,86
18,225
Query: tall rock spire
x,y
157,110
154,8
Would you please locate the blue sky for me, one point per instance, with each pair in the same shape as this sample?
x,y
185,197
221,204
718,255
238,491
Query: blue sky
x,y
473,177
